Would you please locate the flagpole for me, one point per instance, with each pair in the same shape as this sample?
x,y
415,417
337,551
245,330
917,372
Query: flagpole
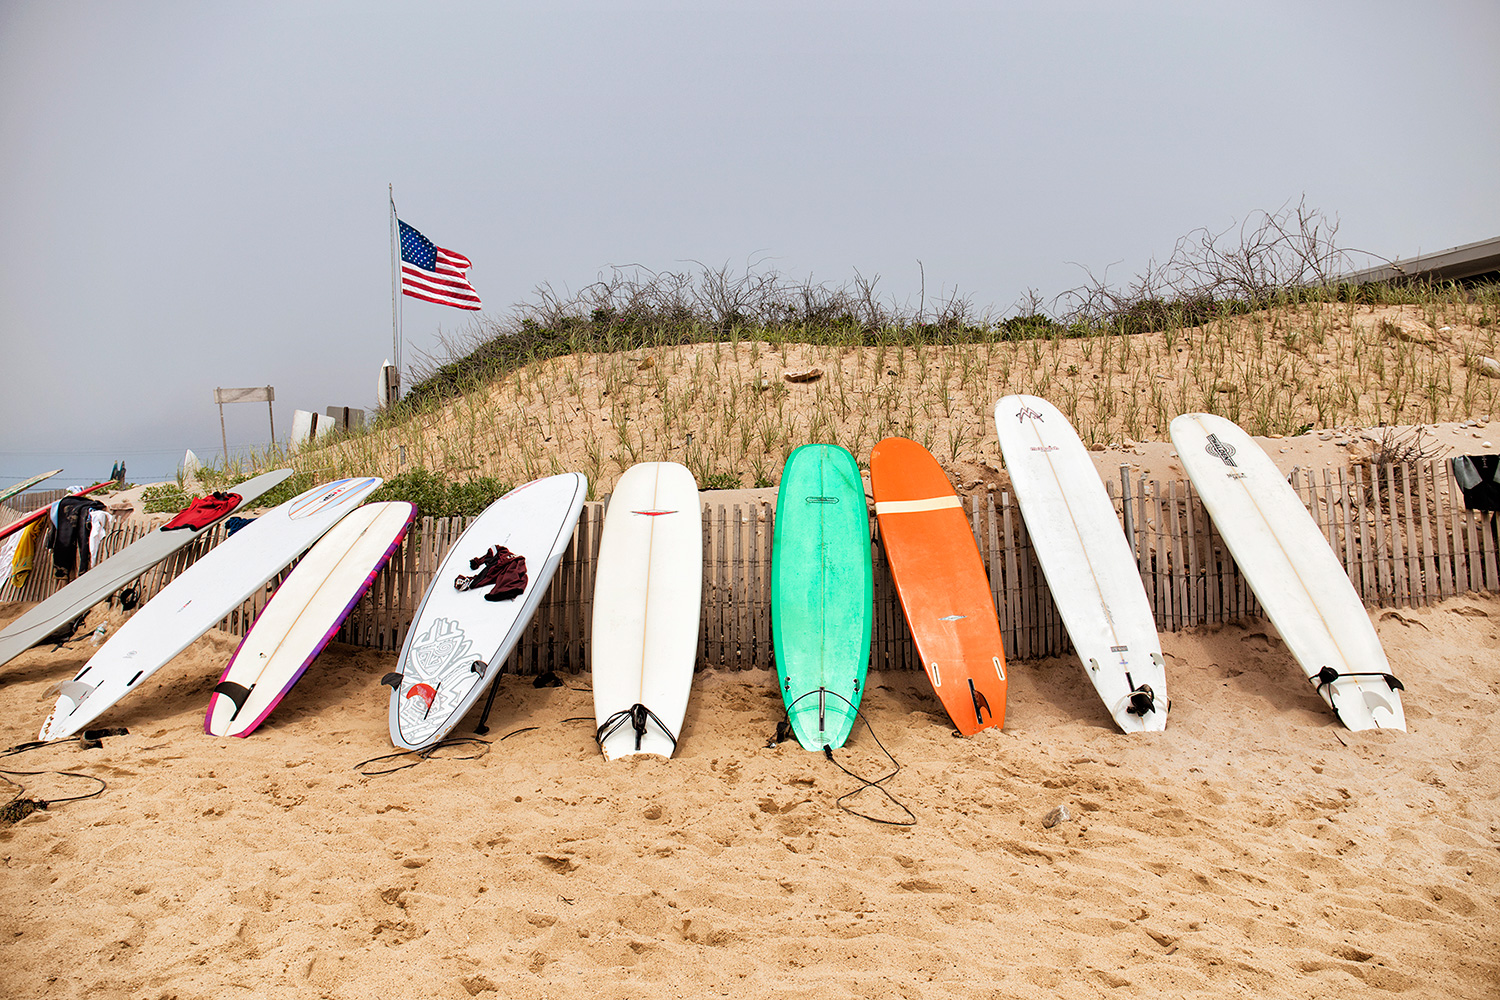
x,y
395,290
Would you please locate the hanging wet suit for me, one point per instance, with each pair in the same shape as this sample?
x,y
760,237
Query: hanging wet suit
x,y
1478,476
70,549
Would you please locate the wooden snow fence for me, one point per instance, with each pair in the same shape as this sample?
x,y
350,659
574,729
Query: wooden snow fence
x,y
1401,531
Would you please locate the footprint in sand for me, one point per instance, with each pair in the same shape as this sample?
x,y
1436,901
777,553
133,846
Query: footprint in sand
x,y
1260,642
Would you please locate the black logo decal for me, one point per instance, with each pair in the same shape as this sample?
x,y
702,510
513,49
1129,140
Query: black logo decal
x,y
821,499
1025,412
1218,449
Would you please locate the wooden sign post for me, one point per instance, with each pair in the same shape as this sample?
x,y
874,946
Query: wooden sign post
x,y
254,394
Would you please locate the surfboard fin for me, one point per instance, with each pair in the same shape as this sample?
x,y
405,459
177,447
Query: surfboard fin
x,y
981,703
75,691
424,693
236,693
1142,700
393,680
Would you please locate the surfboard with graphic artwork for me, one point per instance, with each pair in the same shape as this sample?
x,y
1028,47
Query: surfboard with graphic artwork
x,y
941,582
459,639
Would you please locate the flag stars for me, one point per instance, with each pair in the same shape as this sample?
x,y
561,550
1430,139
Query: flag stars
x,y
434,274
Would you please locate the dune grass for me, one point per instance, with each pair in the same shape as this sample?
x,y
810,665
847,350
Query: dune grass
x,y
724,408
692,367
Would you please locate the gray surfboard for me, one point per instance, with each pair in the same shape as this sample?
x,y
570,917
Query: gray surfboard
x,y
115,572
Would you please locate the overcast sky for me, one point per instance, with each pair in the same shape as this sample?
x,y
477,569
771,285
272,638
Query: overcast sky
x,y
195,195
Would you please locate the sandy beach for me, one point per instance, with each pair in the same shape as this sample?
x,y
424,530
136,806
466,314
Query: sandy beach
x,y
1256,848
690,240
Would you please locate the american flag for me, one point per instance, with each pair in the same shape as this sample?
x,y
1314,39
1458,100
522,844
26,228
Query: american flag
x,y
429,272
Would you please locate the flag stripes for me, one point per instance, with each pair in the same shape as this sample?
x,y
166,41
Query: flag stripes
x,y
434,274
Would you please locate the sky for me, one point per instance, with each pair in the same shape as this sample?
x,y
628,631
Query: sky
x,y
196,195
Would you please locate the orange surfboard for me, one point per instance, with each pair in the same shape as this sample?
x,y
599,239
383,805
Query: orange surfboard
x,y
941,581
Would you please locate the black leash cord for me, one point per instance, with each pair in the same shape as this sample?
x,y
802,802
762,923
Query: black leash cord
x,y
637,715
18,807
865,783
418,756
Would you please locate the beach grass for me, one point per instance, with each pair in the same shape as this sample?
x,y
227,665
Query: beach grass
x,y
707,368
725,408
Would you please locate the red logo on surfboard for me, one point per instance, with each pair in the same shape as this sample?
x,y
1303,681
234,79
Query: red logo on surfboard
x,y
424,693
653,513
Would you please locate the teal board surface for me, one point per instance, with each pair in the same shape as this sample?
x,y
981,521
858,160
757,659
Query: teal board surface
x,y
822,590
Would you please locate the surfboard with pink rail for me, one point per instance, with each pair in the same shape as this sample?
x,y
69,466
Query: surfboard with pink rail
x,y
304,615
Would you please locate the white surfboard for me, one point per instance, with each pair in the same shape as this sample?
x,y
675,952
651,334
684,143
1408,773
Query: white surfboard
x,y
458,640
1086,559
115,572
1296,577
648,592
198,599
304,614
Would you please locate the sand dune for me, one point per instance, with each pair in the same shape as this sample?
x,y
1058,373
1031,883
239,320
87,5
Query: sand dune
x,y
1255,848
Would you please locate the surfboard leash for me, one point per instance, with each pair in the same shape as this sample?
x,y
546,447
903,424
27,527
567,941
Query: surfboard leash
x,y
784,730
418,756
637,715
19,806
1328,675
66,632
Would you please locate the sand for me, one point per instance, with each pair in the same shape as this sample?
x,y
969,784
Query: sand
x,y
1256,848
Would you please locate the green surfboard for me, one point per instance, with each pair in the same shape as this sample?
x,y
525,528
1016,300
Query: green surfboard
x,y
822,587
